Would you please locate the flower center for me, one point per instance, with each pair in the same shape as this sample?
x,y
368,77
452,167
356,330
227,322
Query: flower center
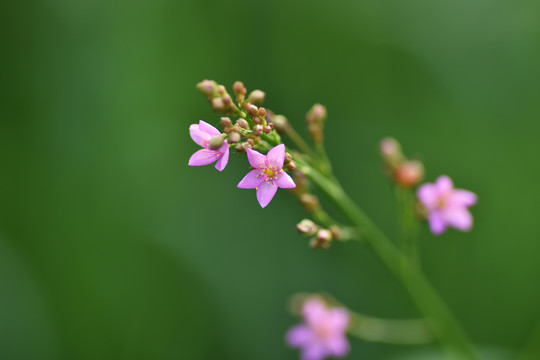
x,y
269,172
441,202
323,331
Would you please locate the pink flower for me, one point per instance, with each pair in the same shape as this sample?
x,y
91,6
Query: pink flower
x,y
267,174
323,332
447,206
202,134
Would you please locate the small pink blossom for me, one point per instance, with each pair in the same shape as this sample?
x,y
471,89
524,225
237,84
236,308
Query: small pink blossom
x,y
322,334
267,174
446,206
202,134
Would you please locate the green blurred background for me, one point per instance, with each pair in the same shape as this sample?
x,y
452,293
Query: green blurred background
x,y
111,247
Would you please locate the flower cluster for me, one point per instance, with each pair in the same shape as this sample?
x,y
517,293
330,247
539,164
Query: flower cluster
x,y
443,205
252,130
322,334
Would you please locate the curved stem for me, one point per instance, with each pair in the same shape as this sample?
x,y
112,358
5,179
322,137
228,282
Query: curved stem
x,y
442,322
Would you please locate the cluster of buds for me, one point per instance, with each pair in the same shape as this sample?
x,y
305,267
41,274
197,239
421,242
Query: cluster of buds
x,y
315,122
404,172
321,237
251,125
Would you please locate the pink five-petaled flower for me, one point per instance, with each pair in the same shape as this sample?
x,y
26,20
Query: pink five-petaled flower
x,y
323,332
202,134
267,174
446,206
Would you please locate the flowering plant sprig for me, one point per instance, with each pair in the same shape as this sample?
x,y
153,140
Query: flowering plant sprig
x,y
259,133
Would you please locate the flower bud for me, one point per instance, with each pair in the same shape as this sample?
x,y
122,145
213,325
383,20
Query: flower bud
x,y
234,137
267,129
310,202
390,148
256,120
409,173
239,88
281,124
226,99
262,112
240,148
336,232
216,142
217,104
317,114
207,88
221,89
251,109
226,122
307,227
243,123
321,240
258,130
291,166
256,97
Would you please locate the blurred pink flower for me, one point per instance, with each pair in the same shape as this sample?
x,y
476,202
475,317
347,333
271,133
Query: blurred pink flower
x,y
446,206
202,134
322,334
267,174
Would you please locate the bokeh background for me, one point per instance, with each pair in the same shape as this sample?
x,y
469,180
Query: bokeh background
x,y
111,247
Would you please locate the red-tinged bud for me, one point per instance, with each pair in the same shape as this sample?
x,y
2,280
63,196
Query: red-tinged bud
x,y
307,227
262,112
227,99
252,109
251,142
271,126
317,114
218,105
256,120
240,148
410,173
207,87
258,130
267,129
256,97
226,122
221,89
243,123
239,88
291,166
288,158
234,137
321,240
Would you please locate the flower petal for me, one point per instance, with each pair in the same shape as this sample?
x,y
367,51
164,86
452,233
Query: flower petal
x,y
209,129
299,336
252,180
444,184
203,157
462,198
428,195
314,311
284,181
338,346
436,223
276,156
338,319
256,159
222,162
314,351
459,218
266,192
200,137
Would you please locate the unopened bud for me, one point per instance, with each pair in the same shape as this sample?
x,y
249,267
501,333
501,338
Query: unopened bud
x,y
240,148
242,123
221,89
234,137
218,105
226,122
256,120
336,232
227,99
256,97
267,129
321,240
262,112
409,173
307,227
309,202
287,158
258,130
239,88
207,87
291,166
390,148
281,123
317,114
216,142
251,109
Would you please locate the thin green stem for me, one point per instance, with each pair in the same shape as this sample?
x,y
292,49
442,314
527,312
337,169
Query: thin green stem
x,y
300,143
408,223
442,322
